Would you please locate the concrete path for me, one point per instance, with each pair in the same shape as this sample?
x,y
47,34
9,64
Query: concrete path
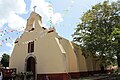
x,y
92,78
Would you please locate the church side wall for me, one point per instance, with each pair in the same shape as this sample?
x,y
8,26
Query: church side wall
x,y
89,64
49,56
71,56
81,60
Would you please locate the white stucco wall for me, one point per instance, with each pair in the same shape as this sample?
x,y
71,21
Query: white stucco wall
x,y
70,55
49,57
82,65
53,54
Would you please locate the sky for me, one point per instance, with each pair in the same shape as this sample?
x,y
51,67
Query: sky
x,y
64,15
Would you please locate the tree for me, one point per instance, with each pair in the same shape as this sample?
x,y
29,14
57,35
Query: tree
x,y
5,60
115,40
94,33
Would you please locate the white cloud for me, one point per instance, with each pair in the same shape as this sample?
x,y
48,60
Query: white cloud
x,y
57,18
9,45
45,9
9,10
42,7
72,1
17,22
2,22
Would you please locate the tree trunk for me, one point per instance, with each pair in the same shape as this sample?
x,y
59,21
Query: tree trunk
x,y
118,56
118,62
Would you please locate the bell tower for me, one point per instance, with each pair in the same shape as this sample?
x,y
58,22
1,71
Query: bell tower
x,y
34,22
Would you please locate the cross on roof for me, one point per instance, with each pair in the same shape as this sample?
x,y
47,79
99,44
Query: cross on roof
x,y
34,8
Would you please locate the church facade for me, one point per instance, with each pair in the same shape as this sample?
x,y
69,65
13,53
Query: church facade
x,y
48,55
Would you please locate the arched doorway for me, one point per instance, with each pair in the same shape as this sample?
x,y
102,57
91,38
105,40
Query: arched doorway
x,y
30,66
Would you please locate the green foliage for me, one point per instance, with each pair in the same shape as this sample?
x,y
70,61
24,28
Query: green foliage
x,y
97,28
23,75
5,60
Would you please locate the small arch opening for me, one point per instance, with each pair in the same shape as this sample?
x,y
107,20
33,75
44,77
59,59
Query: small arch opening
x,y
30,66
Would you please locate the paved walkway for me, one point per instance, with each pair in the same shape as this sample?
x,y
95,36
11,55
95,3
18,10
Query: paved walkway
x,y
92,78
102,77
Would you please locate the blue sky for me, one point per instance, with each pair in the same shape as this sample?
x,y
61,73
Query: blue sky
x,y
65,15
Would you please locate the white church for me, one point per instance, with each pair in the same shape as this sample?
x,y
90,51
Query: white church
x,y
45,53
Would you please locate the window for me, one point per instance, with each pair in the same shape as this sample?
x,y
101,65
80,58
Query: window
x,y
31,47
